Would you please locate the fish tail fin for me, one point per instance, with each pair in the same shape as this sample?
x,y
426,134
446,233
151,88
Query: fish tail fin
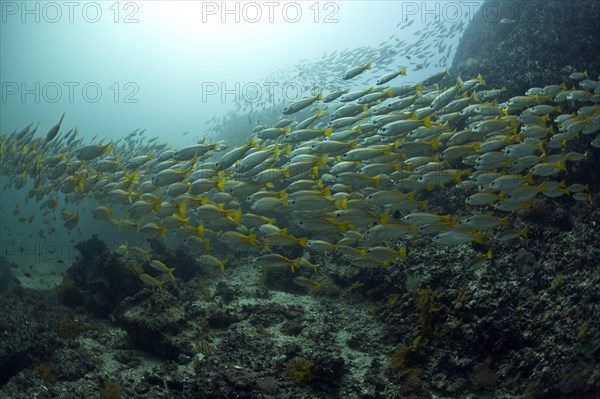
x,y
478,237
134,177
384,219
540,145
294,264
303,242
523,232
200,231
427,123
236,216
458,176
181,209
275,153
221,184
377,181
403,253
343,226
529,177
314,171
322,161
157,204
252,239
435,144
252,143
341,203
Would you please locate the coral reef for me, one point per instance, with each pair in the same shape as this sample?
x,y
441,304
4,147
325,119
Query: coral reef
x,y
99,280
565,41
6,276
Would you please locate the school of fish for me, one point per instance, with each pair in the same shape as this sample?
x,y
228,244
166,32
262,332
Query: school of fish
x,y
353,178
429,46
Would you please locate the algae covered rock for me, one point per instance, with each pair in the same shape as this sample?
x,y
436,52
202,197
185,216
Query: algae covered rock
x,y
98,280
522,44
154,321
